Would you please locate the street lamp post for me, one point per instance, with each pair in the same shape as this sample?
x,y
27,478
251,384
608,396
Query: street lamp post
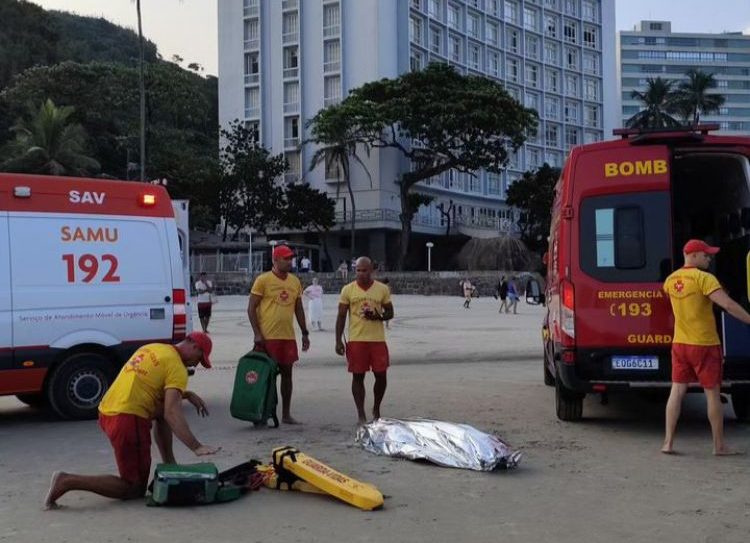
x,y
429,246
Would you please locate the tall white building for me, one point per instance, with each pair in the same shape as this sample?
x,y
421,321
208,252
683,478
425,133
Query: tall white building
x,y
280,61
652,50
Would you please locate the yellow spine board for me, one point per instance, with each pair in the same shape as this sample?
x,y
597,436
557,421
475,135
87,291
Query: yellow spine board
x,y
362,495
270,480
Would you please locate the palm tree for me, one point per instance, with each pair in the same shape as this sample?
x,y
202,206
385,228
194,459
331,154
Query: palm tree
x,y
49,143
694,96
658,102
142,90
336,147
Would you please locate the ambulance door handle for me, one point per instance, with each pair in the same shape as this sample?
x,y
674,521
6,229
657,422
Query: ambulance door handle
x,y
167,299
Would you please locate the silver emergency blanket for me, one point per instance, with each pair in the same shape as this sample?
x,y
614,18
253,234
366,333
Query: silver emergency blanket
x,y
443,443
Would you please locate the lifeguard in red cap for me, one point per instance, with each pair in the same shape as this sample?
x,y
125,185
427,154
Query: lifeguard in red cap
x,y
150,386
275,299
696,349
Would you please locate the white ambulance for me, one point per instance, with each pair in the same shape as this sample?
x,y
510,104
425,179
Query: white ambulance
x,y
89,270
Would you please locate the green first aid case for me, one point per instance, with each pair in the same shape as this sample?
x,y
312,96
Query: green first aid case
x,y
254,397
185,484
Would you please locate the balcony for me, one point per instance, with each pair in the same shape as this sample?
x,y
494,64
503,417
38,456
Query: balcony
x,y
291,143
331,101
252,79
251,11
290,37
290,178
331,31
252,44
287,5
291,107
332,66
291,73
252,113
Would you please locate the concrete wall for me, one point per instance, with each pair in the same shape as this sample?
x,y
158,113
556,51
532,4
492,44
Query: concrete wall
x,y
434,283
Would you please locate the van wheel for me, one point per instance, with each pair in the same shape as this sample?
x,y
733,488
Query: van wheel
x,y
741,405
549,378
78,384
35,400
569,404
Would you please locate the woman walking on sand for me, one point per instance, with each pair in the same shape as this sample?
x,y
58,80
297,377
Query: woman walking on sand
x,y
314,293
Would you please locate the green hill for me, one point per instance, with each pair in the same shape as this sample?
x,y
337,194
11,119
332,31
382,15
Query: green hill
x,y
31,36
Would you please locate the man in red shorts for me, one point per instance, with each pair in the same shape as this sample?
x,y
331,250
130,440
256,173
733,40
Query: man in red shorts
x,y
275,299
696,349
368,304
150,386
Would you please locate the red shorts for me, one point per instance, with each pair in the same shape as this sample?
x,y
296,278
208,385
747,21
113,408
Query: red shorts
x,y
204,310
130,436
362,356
283,351
701,363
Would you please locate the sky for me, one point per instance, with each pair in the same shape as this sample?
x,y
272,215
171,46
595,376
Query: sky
x,y
188,27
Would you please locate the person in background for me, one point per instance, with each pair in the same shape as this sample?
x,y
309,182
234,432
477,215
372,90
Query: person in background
x,y
468,291
512,296
150,387
314,293
275,300
204,288
305,265
343,270
502,293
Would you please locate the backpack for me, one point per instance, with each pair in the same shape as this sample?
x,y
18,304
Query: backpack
x,y
201,484
254,397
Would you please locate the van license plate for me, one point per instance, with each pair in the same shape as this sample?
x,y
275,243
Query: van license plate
x,y
635,362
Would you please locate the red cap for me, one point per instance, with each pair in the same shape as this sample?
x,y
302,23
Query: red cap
x,y
699,246
282,251
203,341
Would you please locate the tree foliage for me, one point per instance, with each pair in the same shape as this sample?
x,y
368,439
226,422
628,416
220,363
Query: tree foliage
x,y
439,120
309,209
250,192
47,142
533,195
694,97
658,105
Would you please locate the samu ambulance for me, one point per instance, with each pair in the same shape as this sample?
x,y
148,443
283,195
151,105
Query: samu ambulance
x,y
622,211
89,270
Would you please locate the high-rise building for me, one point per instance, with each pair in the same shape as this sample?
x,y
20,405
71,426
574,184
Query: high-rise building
x,y
281,61
652,50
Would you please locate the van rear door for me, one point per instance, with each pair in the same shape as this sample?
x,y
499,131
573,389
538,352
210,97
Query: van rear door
x,y
621,253
6,322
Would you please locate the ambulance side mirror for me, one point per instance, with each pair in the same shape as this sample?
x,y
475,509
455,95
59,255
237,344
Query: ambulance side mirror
x,y
534,294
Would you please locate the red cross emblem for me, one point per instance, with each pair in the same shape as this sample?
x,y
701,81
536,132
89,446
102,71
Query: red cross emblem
x,y
679,285
284,296
133,363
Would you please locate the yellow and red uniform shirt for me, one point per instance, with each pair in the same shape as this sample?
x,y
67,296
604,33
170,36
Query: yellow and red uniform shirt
x,y
688,290
276,309
359,300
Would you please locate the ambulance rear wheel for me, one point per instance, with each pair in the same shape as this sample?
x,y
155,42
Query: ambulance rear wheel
x,y
569,404
78,384
549,378
741,405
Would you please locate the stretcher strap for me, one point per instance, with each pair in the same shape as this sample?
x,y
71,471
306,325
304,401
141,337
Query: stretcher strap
x,y
284,477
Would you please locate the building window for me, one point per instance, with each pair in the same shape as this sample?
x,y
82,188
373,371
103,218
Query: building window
x,y
550,4
291,97
290,27
416,60
292,174
571,85
571,112
511,12
512,39
570,7
552,135
533,158
572,136
331,56
552,158
570,32
493,34
454,16
493,64
514,93
493,183
455,52
552,108
436,40
590,89
331,90
252,102
331,20
512,70
590,62
532,75
415,30
551,80
291,61
532,100
493,7
551,55
591,116
433,9
550,26
474,57
532,47
571,58
472,26
251,8
291,132
530,19
252,34
590,38
252,68
589,11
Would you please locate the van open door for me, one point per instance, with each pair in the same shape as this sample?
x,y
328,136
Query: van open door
x,y
181,215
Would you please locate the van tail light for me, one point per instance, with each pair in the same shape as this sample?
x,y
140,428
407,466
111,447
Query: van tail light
x,y
567,313
179,314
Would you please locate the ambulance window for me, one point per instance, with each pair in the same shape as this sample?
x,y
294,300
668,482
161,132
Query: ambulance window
x,y
625,237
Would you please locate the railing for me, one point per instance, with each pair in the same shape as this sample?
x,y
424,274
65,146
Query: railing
x,y
291,143
290,37
332,66
233,262
252,112
252,44
290,73
331,101
251,11
331,31
292,107
251,79
291,178
289,4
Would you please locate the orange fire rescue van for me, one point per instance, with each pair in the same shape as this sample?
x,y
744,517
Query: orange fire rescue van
x,y
89,271
622,211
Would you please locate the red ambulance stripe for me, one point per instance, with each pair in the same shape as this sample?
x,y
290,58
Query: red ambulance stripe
x,y
50,194
20,381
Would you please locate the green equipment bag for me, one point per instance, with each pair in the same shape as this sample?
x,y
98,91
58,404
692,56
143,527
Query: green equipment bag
x,y
254,397
201,484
